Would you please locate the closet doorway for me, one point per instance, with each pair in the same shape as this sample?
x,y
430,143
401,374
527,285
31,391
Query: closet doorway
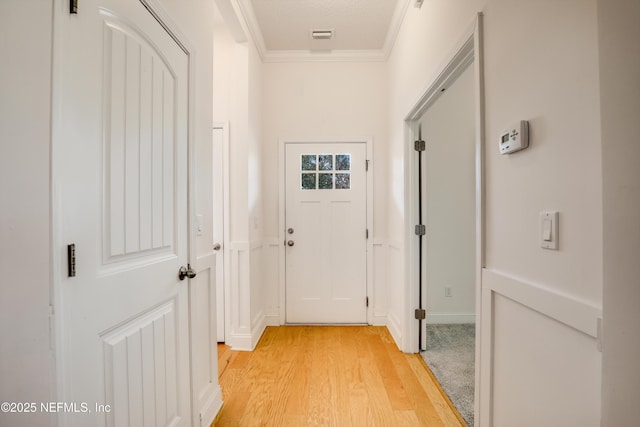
x,y
447,175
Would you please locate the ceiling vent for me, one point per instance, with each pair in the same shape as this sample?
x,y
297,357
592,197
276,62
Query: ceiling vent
x,y
322,34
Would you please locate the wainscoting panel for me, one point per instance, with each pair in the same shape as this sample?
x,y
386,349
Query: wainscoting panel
x,y
206,395
378,297
537,342
396,304
247,319
271,280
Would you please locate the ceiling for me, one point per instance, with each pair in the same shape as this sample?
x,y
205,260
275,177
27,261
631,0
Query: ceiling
x,y
362,29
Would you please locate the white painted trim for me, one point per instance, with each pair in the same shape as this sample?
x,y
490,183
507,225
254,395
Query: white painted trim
x,y
373,55
378,319
578,314
281,220
467,50
226,243
394,326
233,19
211,408
478,47
244,17
272,318
450,318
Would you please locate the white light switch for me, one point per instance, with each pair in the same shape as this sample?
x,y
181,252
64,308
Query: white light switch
x,y
546,230
199,225
549,230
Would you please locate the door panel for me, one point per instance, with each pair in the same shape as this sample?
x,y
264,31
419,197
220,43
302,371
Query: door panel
x,y
326,212
120,177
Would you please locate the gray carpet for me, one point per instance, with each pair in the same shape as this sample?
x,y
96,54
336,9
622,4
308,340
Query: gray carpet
x,y
450,355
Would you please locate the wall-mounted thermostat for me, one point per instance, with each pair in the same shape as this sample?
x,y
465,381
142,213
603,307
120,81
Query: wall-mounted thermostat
x,y
515,138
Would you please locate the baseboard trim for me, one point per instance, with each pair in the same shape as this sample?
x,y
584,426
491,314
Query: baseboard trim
x,y
394,328
272,319
379,320
211,409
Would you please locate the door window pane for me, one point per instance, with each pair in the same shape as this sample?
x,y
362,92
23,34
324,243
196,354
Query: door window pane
x,y
325,162
343,162
308,181
325,181
309,162
343,181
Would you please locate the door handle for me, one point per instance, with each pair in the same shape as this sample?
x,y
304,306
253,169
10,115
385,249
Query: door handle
x,y
186,272
290,243
217,246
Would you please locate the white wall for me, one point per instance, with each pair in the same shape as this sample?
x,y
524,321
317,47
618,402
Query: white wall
x,y
620,95
237,89
316,101
541,65
25,268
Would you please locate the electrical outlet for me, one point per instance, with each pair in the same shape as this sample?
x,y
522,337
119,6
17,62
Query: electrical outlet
x,y
447,292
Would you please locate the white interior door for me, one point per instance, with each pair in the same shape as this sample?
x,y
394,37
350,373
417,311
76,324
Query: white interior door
x,y
219,189
325,217
121,176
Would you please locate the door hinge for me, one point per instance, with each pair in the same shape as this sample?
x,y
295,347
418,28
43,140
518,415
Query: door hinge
x,y
421,313
421,230
367,233
366,165
73,6
71,260
367,302
420,145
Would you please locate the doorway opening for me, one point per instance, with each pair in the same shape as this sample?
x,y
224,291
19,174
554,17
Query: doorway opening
x,y
447,202
445,205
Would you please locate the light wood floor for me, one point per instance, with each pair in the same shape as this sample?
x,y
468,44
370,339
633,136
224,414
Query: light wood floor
x,y
329,376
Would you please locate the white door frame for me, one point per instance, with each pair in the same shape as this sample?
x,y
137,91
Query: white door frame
x,y
469,50
282,208
224,126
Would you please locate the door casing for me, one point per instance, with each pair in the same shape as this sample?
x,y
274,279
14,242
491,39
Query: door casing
x,y
470,49
282,231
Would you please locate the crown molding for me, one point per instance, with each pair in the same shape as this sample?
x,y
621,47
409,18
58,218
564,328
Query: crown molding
x,y
250,23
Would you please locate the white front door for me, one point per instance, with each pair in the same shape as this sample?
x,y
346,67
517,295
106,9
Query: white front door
x,y
120,196
325,217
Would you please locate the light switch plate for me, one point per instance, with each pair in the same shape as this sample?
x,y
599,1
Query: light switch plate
x,y
548,232
198,225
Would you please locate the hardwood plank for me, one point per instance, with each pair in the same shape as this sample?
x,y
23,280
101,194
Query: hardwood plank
x,y
329,375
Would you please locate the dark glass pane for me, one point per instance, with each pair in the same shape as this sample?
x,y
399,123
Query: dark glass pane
x,y
343,162
325,162
325,181
343,181
308,181
309,162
